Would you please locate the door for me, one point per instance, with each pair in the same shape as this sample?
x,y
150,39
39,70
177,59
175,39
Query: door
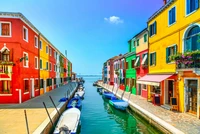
x,y
32,93
139,89
45,86
170,90
191,96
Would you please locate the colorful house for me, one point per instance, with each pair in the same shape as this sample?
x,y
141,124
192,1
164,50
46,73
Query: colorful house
x,y
141,63
104,72
25,59
130,81
111,71
52,67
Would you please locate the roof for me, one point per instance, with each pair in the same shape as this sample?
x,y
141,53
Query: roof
x,y
161,9
145,29
18,15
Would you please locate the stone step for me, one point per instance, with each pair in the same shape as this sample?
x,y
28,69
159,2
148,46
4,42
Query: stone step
x,y
166,107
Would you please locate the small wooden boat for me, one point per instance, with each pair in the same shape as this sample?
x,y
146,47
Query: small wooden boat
x,y
118,104
75,102
68,122
80,94
108,95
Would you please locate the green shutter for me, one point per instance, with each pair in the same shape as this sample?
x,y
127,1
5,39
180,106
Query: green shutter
x,y
167,55
155,27
150,59
175,49
139,61
155,58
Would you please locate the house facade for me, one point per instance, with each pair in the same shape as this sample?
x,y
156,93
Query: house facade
x,y
130,81
141,64
24,59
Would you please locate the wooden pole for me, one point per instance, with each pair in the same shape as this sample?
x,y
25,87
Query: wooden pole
x,y
48,114
27,128
54,105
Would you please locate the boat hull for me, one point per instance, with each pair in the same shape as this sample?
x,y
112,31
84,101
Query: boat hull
x,y
119,104
75,102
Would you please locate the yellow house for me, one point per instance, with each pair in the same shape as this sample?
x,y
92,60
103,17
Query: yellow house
x,y
44,65
173,31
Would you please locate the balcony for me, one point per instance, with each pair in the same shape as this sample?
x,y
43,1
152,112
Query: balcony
x,y
189,61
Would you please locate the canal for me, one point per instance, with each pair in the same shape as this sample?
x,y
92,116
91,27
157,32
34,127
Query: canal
x,y
98,117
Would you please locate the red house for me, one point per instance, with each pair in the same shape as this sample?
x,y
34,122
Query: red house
x,y
52,66
18,58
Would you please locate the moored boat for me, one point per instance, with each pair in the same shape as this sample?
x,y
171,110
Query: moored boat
x,y
80,94
75,102
108,95
68,122
119,104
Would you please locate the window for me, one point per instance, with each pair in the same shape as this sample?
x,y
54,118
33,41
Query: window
x,y
144,87
191,41
36,62
47,65
26,86
191,5
153,59
152,29
170,51
40,63
40,45
145,59
47,49
50,51
25,33
138,42
5,55
55,54
54,67
145,38
54,80
133,43
126,65
41,83
122,64
5,28
25,59
36,41
36,84
50,66
172,16
5,87
137,63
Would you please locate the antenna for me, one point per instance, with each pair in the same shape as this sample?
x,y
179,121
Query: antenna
x,y
66,53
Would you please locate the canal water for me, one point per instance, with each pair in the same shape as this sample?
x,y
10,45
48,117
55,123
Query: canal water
x,y
98,117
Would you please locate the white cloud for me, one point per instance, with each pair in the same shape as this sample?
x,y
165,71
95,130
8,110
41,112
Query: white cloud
x,y
114,20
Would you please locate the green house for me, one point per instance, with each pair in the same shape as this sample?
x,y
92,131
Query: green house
x,y
130,80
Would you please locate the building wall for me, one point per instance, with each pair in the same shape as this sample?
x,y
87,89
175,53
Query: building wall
x,y
142,44
52,73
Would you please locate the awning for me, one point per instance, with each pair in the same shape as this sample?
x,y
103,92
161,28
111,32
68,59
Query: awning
x,y
136,61
4,77
153,79
144,59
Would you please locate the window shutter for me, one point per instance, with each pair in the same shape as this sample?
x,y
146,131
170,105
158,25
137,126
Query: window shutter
x,y
155,58
150,30
11,55
175,49
155,27
196,4
139,61
150,59
173,14
188,6
170,17
167,55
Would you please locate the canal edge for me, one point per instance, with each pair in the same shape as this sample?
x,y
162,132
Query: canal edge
x,y
46,127
152,119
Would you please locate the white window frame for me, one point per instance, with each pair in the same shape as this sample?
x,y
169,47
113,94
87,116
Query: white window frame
x,y
40,44
150,59
36,42
37,62
186,15
26,33
175,16
24,85
27,61
10,29
50,69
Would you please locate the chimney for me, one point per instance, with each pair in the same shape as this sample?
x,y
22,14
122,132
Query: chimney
x,y
165,2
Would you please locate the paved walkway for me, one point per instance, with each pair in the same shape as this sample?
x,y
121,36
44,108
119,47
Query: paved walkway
x,y
184,122
12,119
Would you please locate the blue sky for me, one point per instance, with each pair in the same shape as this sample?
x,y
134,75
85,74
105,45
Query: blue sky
x,y
91,31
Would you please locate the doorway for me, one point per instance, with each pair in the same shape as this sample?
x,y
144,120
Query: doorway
x,y
191,96
32,93
169,90
139,89
45,86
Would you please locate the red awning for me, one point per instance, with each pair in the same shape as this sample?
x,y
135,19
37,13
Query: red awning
x,y
4,76
153,79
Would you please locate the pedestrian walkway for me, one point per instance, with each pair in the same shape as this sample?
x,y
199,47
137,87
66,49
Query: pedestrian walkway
x,y
184,122
12,119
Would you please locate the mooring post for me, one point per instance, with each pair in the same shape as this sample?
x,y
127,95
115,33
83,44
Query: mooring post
x,y
54,105
116,91
123,94
27,128
129,97
48,114
113,89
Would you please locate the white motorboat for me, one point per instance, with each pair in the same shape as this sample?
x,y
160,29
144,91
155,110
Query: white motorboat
x,y
68,122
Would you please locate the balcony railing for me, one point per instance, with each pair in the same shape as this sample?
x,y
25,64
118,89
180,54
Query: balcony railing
x,y
6,62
